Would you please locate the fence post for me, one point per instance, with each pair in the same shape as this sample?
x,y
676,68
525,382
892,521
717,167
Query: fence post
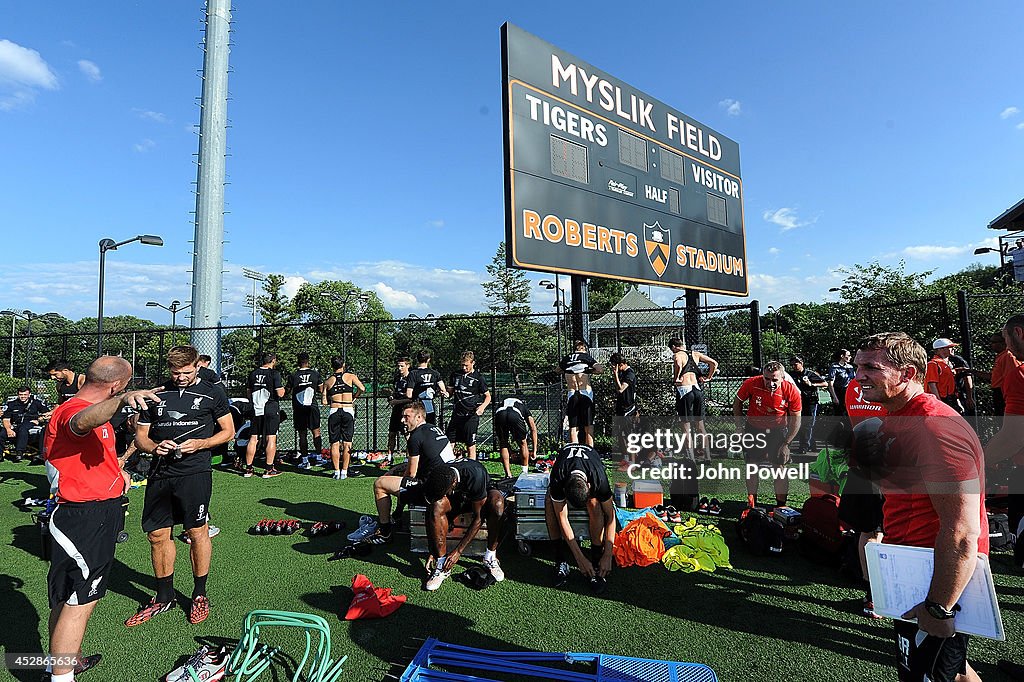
x,y
376,382
161,344
618,332
965,326
691,322
755,333
259,343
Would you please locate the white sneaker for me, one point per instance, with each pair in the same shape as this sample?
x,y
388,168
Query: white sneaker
x,y
367,527
436,579
337,476
495,568
214,531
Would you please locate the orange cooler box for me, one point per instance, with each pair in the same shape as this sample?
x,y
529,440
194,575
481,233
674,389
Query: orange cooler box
x,y
647,494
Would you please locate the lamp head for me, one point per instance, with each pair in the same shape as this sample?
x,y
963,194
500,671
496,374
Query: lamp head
x,y
151,239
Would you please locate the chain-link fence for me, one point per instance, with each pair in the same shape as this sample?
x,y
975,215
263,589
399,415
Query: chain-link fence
x,y
518,355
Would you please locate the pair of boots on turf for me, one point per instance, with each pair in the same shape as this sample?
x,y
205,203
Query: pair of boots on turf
x,y
165,601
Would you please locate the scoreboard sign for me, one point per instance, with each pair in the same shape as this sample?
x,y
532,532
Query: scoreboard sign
x,y
604,180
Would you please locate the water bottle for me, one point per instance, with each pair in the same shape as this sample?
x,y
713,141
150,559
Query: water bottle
x,y
620,495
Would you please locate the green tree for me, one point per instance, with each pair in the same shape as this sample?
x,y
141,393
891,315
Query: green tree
x,y
278,315
602,294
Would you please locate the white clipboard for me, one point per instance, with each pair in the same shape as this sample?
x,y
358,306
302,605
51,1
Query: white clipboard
x,y
901,575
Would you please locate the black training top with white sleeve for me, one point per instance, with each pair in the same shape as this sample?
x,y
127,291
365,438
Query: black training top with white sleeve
x,y
581,458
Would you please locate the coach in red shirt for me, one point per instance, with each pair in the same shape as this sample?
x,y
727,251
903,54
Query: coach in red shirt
x,y
773,417
89,513
1009,442
933,479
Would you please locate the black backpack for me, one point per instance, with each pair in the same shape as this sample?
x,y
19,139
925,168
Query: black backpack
x,y
759,533
999,535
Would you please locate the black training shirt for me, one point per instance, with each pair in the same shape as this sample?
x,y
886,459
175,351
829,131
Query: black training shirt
x,y
579,458
472,484
468,391
183,414
303,384
432,447
263,385
66,391
626,400
577,363
515,409
401,383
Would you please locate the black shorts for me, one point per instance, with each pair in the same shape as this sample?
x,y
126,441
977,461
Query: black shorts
x,y
268,424
768,454
861,503
82,540
411,493
183,500
690,406
462,428
930,658
508,425
395,423
341,426
580,410
628,423
307,417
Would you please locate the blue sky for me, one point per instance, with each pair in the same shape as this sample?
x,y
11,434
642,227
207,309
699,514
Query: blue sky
x,y
366,138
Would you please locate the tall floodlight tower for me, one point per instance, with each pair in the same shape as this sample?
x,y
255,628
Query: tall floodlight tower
x,y
208,257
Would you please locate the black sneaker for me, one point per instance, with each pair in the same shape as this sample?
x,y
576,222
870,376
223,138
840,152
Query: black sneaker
x,y
598,585
87,663
16,457
562,574
379,537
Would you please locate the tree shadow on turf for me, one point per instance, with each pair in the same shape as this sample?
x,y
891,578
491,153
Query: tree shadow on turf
x,y
40,485
725,601
22,633
135,585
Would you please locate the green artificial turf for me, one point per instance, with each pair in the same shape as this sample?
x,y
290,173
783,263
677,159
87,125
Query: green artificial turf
x,y
768,618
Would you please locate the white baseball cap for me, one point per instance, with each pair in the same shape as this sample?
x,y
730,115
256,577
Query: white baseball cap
x,y
943,343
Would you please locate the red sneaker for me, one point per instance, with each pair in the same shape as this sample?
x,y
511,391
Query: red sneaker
x,y
147,611
200,610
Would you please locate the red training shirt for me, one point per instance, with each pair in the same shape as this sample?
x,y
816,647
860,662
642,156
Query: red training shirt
x,y
1013,394
941,373
88,466
768,409
859,409
1004,364
927,442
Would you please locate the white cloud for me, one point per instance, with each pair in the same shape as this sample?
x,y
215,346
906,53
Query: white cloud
x,y
292,284
1020,126
942,251
22,72
774,251
1008,112
154,116
786,218
396,300
731,106
435,223
90,70
144,146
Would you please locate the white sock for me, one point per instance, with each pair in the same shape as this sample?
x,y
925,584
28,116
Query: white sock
x,y
344,473
63,677
488,555
526,467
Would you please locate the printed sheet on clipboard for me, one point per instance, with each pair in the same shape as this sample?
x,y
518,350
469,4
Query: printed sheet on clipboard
x,y
900,577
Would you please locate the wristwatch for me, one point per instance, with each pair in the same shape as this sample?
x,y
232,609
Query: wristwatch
x,y
940,612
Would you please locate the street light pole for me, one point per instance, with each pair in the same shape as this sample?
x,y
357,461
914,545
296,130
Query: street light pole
x,y
174,308
111,245
775,328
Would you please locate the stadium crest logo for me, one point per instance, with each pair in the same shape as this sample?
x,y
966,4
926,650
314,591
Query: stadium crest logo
x,y
658,242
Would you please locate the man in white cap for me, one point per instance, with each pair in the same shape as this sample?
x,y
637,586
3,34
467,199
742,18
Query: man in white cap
x,y
940,377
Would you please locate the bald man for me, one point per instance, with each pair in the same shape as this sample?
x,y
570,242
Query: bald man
x,y
80,446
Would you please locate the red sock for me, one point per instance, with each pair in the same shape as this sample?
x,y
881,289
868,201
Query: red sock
x,y
751,500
